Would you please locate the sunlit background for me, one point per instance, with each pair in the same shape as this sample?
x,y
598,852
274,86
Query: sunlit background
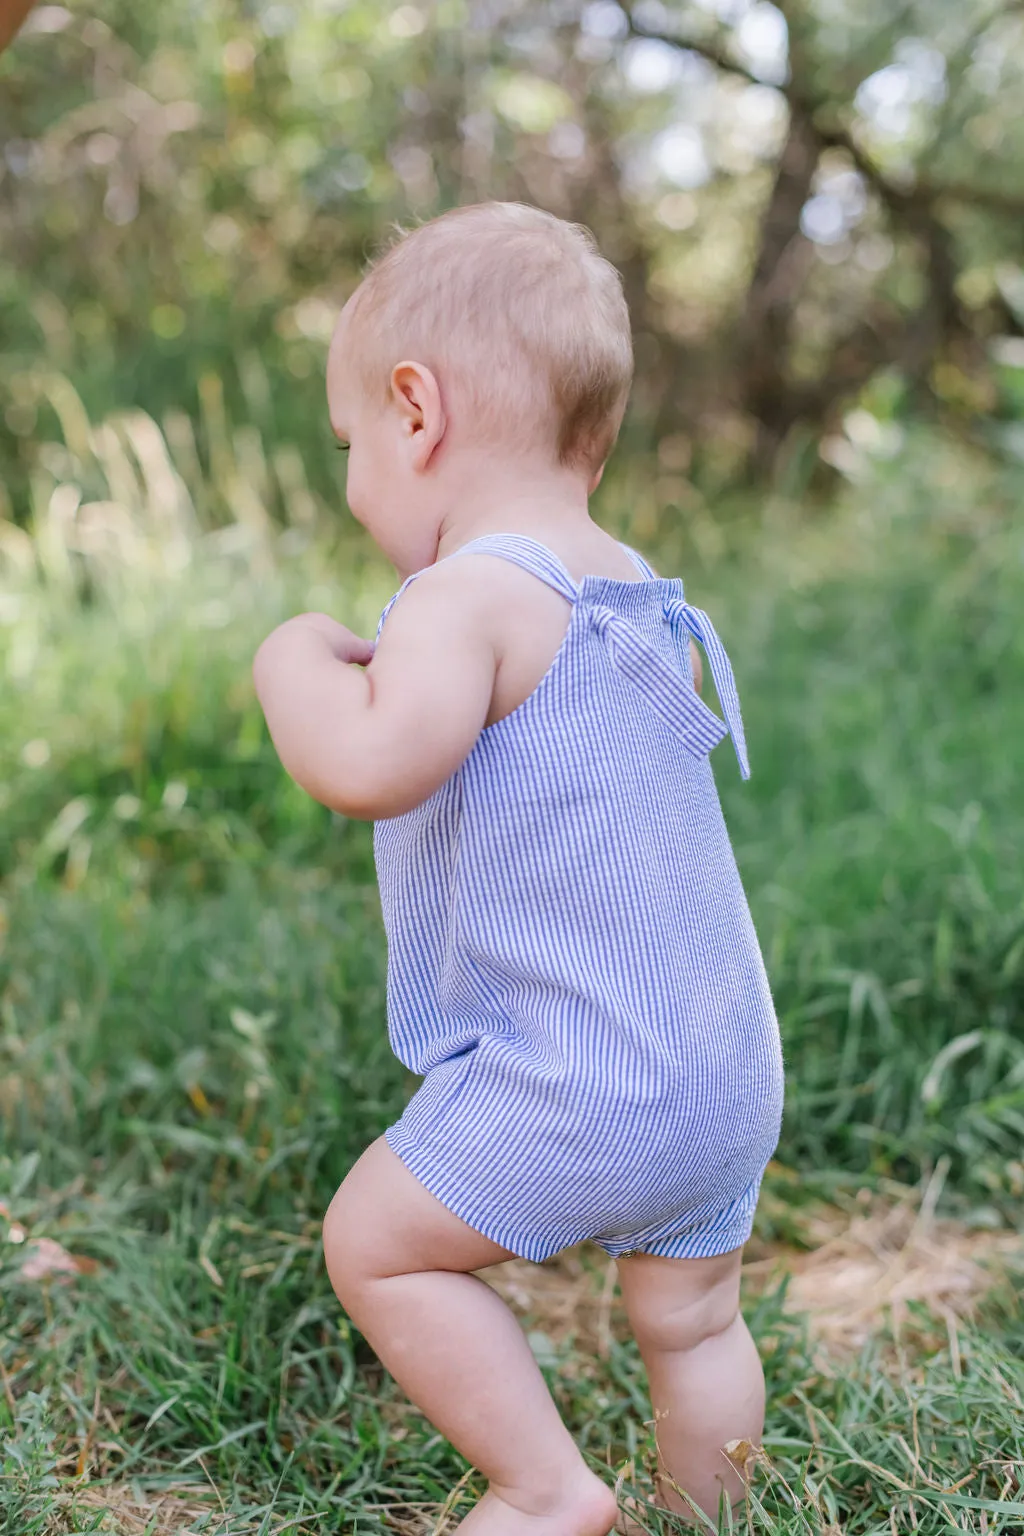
x,y
818,213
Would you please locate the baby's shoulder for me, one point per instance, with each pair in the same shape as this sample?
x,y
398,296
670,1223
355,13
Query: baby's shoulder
x,y
481,586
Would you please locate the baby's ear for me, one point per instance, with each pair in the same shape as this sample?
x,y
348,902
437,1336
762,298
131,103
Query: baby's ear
x,y
595,479
417,397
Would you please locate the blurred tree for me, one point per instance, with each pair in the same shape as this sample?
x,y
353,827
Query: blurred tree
x,y
864,116
805,199
12,14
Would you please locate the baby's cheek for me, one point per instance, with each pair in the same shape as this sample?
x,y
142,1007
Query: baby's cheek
x,y
355,488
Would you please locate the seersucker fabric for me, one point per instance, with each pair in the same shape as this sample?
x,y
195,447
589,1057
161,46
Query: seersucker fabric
x,y
572,964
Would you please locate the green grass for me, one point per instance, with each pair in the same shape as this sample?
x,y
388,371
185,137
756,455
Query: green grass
x,y
192,1047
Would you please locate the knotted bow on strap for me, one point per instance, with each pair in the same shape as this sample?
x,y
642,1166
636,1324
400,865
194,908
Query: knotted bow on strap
x,y
664,687
666,690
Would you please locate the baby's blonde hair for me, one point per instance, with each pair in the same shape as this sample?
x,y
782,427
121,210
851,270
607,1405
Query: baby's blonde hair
x,y
518,312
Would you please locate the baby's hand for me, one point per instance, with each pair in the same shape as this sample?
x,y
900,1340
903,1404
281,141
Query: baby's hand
x,y
344,645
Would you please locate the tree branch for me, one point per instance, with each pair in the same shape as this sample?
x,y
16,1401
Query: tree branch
x,y
713,52
896,197
921,192
762,343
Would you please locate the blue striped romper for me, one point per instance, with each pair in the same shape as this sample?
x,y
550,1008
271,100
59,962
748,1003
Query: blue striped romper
x,y
572,965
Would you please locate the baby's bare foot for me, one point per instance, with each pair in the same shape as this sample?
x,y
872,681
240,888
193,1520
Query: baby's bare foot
x,y
588,1509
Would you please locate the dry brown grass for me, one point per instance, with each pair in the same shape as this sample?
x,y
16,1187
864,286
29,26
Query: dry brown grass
x,y
180,1509
176,1511
866,1269
571,1299
857,1273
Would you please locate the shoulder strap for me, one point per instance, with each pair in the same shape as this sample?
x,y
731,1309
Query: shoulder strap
x,y
528,555
641,564
392,601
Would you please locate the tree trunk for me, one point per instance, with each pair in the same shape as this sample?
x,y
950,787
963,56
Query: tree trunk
x,y
766,391
12,14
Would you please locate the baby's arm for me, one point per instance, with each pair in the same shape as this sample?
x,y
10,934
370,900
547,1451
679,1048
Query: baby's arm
x,y
698,667
376,742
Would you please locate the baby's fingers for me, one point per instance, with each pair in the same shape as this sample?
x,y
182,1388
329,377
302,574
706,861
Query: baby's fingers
x,y
360,651
344,644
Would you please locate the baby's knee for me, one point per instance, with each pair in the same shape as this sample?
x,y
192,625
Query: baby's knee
x,y
347,1255
673,1329
669,1317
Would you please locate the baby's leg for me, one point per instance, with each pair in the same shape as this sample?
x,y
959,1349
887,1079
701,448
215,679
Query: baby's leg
x,y
707,1386
399,1262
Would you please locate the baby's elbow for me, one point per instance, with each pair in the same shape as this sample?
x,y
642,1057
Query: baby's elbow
x,y
372,774
355,792
344,793
370,792
350,801
369,802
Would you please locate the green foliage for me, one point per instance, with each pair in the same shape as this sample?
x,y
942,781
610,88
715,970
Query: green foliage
x,y
187,194
884,687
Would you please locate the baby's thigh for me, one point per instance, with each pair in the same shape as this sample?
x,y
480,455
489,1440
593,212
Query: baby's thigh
x,y
383,1222
675,1304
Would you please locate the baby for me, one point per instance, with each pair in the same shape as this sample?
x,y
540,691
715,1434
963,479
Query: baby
x,y
572,964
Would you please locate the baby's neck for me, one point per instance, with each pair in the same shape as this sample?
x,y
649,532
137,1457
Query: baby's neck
x,y
512,498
